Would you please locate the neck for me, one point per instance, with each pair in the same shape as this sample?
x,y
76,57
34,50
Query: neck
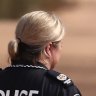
x,y
45,63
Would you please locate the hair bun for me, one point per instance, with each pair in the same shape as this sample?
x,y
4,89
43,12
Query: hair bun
x,y
12,48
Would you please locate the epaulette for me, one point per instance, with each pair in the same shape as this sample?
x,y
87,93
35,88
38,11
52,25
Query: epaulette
x,y
61,78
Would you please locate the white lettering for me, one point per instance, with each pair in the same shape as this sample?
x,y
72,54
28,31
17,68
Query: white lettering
x,y
76,95
8,93
33,92
2,93
67,81
19,93
23,92
16,93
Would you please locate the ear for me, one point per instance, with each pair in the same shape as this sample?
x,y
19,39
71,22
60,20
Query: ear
x,y
48,50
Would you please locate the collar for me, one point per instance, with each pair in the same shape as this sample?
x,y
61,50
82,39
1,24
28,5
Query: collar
x,y
25,63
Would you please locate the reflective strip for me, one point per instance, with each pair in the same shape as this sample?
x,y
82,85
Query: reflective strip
x,y
29,66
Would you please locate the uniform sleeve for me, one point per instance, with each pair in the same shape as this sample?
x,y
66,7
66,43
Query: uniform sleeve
x,y
70,91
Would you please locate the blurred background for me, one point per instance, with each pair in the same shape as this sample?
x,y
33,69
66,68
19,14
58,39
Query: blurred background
x,y
79,49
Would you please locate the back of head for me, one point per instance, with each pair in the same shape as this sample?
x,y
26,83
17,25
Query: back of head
x,y
33,32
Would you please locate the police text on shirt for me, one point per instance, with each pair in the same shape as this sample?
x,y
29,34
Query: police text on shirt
x,y
19,93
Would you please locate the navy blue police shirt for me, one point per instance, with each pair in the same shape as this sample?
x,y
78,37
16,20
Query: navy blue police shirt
x,y
0,69
24,79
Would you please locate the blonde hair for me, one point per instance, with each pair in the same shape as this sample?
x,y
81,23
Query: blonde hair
x,y
36,28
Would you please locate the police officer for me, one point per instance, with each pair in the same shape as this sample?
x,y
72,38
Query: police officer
x,y
33,55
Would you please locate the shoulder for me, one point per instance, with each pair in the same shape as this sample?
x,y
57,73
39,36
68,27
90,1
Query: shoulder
x,y
65,83
59,77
